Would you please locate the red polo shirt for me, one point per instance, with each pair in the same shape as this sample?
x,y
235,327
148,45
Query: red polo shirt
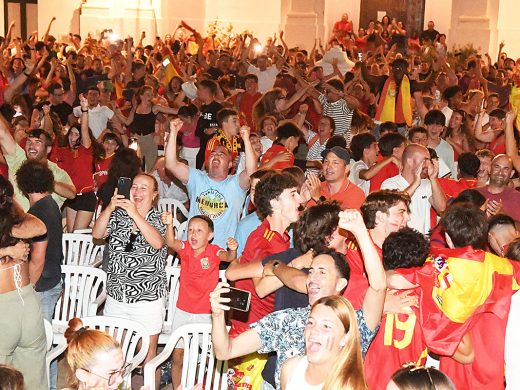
x,y
260,244
452,188
350,196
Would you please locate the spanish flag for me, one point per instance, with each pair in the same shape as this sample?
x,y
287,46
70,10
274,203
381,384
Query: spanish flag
x,y
514,101
462,291
395,104
169,71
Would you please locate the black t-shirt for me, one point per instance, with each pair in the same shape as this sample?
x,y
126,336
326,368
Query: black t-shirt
x,y
429,35
49,213
284,298
207,119
63,110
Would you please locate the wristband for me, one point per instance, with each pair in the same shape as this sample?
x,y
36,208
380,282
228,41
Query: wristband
x,y
82,110
26,75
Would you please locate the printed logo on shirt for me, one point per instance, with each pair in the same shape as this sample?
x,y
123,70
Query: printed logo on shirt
x,y
212,204
204,263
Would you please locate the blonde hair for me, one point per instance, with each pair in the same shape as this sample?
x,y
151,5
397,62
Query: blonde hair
x,y
347,372
84,345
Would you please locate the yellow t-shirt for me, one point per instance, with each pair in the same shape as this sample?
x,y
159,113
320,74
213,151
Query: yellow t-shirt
x,y
16,159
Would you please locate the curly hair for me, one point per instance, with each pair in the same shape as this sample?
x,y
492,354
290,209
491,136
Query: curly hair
x,y
33,177
271,187
406,248
381,201
316,226
126,163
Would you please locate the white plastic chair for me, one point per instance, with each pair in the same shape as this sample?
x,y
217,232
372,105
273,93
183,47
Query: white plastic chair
x,y
128,334
84,289
199,364
80,249
172,205
173,278
180,229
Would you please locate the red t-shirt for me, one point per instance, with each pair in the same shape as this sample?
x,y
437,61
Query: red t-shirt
x,y
398,341
358,283
78,163
389,170
261,243
498,145
452,188
245,102
199,277
273,151
101,171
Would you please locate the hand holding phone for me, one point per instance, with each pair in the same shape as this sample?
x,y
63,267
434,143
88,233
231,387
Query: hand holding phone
x,y
123,186
224,297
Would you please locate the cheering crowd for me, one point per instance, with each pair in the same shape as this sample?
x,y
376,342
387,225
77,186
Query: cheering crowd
x,y
362,192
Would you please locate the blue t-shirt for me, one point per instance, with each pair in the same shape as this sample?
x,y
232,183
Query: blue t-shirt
x,y
246,226
221,201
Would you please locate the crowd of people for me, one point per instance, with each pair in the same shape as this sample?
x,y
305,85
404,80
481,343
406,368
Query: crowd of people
x,y
363,193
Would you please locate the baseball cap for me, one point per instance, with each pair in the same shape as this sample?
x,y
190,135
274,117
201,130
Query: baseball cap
x,y
342,153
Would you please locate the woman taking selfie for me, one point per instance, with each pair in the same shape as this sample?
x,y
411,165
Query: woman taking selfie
x,y
136,283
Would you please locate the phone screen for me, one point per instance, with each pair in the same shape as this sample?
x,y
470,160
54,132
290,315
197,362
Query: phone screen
x,y
123,186
166,62
239,299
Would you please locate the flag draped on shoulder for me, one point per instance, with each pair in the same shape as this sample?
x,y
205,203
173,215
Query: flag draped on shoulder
x,y
456,285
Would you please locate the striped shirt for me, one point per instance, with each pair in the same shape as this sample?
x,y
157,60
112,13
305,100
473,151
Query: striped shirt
x,y
315,147
342,115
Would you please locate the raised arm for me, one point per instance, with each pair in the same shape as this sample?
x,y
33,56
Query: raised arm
x,y
481,135
7,142
179,169
86,142
251,159
511,145
351,220
46,35
226,348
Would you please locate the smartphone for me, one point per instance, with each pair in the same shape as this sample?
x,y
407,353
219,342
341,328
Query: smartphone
x,y
360,56
166,62
239,299
123,186
128,94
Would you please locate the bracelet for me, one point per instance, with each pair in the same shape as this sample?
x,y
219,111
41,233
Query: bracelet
x,y
26,75
82,110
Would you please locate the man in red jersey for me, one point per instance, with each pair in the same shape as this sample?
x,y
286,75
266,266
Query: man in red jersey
x,y
384,212
277,201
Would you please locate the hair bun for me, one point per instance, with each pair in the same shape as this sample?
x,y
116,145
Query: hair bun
x,y
74,329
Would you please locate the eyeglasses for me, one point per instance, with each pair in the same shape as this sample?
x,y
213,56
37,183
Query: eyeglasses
x,y
112,378
130,245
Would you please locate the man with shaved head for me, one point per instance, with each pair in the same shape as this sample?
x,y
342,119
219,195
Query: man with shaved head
x,y
501,198
418,178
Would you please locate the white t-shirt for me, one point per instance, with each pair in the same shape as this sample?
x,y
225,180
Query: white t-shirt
x,y
98,118
266,78
419,206
445,152
355,168
447,113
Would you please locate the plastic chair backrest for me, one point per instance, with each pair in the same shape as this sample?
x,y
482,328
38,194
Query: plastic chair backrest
x,y
128,334
83,287
172,205
79,249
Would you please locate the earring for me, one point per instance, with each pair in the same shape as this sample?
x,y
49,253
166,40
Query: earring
x,y
341,345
